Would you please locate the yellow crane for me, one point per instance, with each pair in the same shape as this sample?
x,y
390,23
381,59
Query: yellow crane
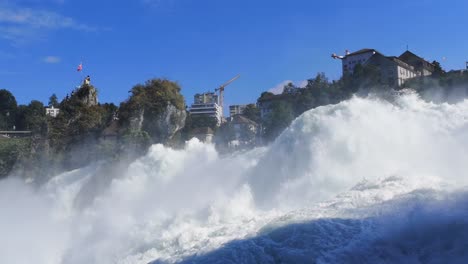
x,y
221,91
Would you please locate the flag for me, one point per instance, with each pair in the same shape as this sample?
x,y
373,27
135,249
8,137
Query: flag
x,y
80,67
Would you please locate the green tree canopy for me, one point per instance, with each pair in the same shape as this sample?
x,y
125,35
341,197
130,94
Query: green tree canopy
x,y
279,118
53,101
252,112
32,117
438,71
8,108
148,102
153,97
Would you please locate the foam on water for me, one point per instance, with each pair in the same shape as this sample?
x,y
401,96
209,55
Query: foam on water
x,y
365,171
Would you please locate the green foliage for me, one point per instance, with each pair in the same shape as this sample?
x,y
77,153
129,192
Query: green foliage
x,y
8,108
153,96
279,118
135,142
289,88
7,101
53,101
252,112
448,87
438,71
11,150
364,78
294,101
109,112
266,95
77,128
152,100
203,121
32,118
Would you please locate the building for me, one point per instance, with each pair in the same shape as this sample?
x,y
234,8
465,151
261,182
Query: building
x,y
393,70
239,132
207,104
421,66
350,60
264,103
244,130
52,111
236,110
204,134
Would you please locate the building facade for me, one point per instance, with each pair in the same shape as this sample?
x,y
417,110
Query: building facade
x,y
236,110
394,71
52,111
420,65
350,60
207,104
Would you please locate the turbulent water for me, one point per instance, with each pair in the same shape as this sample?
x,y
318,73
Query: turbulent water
x,y
364,181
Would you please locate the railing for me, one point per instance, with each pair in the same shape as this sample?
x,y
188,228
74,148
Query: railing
x,y
15,133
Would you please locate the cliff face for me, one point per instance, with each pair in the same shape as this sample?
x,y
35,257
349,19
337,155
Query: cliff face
x,y
160,126
157,108
170,122
87,95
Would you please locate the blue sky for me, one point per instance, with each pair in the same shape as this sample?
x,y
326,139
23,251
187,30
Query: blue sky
x,y
203,43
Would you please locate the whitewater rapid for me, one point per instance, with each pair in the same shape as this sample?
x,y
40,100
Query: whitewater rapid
x,y
363,181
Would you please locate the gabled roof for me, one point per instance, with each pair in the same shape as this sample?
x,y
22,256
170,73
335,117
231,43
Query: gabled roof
x,y
408,54
240,119
400,62
411,54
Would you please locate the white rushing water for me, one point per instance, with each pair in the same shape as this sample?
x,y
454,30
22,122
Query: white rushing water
x,y
364,181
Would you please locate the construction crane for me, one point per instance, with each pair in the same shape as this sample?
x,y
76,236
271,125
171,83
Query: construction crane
x,y
221,91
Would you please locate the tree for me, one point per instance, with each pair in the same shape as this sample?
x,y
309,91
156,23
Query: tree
x,y
7,101
289,88
198,121
266,95
147,104
252,112
53,101
278,119
438,71
364,78
32,117
320,82
8,108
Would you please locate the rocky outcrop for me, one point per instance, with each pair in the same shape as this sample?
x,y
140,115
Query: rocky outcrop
x,y
87,94
170,122
160,126
136,120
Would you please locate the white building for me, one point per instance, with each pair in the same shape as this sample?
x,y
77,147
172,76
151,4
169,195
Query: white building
x,y
393,70
421,66
236,110
51,111
350,60
207,104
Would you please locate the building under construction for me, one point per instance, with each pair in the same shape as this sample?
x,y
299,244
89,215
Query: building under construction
x,y
210,104
207,104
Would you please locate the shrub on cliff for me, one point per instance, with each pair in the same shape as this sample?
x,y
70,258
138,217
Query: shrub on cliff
x,y
156,107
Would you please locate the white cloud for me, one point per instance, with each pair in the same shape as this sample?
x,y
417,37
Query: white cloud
x,y
39,19
52,59
19,24
278,89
